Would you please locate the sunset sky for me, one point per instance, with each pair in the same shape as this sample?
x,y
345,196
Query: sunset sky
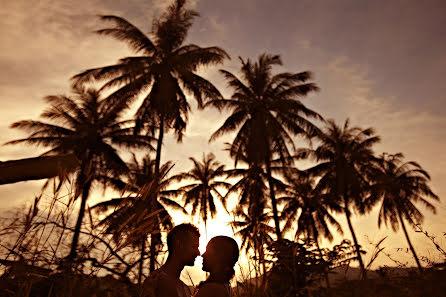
x,y
380,63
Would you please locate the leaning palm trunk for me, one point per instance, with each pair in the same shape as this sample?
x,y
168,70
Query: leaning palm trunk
x,y
36,168
358,251
410,244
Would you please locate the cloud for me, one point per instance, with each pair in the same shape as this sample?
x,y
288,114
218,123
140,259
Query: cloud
x,y
348,91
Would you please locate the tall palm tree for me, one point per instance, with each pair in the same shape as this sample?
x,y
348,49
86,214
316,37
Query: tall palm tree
x,y
162,73
89,127
306,206
136,215
345,155
203,190
400,185
266,113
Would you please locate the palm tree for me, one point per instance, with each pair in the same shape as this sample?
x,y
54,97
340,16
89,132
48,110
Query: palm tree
x,y
401,184
266,112
201,193
138,215
90,129
304,205
164,71
345,157
253,227
253,220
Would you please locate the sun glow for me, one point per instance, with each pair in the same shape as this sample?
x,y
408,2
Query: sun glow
x,y
215,227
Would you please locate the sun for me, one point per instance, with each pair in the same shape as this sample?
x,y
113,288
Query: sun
x,y
214,227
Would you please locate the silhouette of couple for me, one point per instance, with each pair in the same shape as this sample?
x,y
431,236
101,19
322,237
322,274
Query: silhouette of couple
x,y
182,242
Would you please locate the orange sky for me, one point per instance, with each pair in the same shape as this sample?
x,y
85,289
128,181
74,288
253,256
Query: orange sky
x,y
381,64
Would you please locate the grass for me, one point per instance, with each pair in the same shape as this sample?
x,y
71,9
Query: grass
x,y
34,242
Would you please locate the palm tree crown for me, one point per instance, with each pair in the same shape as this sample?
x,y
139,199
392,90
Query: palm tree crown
x,y
89,128
400,185
307,207
165,68
143,212
201,193
266,113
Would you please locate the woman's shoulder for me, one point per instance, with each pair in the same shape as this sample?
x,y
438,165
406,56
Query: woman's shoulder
x,y
209,289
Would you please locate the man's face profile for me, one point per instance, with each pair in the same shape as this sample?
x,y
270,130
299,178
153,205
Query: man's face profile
x,y
190,249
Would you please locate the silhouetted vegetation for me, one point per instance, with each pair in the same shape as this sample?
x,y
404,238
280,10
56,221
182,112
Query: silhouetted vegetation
x,y
282,211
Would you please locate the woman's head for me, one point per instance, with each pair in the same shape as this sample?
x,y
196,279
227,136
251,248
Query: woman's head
x,y
220,257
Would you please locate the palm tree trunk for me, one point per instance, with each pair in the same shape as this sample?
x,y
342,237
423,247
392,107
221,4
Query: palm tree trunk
x,y
350,226
410,244
316,237
154,238
273,199
158,148
141,259
156,179
257,267
77,228
262,259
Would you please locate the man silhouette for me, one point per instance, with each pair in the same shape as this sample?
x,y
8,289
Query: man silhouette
x,y
182,243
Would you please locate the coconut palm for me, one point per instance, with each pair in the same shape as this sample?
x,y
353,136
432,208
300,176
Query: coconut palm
x,y
266,112
307,207
304,205
162,73
251,187
400,185
252,225
144,210
344,156
89,127
203,190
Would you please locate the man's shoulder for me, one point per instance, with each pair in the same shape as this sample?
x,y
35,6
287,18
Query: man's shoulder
x,y
153,283
159,283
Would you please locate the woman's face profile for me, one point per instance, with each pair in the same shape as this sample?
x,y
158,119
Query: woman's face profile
x,y
210,258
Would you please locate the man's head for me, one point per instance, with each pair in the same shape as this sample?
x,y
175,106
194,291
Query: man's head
x,y
183,242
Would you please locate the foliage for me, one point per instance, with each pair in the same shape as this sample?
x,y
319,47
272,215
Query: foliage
x,y
266,111
90,127
296,267
206,177
345,161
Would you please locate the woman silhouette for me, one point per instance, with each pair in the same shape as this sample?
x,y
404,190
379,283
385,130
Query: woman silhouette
x,y
219,260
